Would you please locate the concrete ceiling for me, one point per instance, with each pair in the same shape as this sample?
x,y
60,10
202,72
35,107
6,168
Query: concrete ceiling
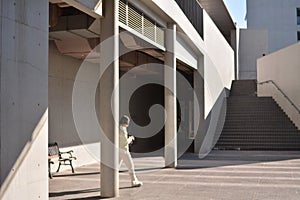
x,y
218,12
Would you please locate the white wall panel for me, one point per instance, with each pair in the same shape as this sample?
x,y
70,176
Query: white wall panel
x,y
283,67
218,63
184,52
24,99
253,44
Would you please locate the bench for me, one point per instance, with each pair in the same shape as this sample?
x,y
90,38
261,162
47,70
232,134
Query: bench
x,y
63,158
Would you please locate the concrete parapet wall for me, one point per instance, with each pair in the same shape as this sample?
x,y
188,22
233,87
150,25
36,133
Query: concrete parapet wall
x,y
283,68
28,177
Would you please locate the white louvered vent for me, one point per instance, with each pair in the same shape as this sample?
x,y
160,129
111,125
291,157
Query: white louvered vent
x,y
137,21
149,29
160,36
122,12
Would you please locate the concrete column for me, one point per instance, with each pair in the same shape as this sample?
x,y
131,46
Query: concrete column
x,y
109,105
24,99
199,113
235,47
170,99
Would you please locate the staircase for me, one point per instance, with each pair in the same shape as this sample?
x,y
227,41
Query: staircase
x,y
256,123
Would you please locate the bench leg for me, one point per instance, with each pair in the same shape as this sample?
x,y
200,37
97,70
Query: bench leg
x,y
71,166
50,175
58,167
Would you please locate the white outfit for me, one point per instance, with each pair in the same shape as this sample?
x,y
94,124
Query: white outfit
x,y
124,154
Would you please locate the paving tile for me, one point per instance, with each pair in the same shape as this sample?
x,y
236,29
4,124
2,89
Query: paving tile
x,y
276,194
272,178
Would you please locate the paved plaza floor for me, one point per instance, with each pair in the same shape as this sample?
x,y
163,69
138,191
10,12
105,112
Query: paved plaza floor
x,y
222,175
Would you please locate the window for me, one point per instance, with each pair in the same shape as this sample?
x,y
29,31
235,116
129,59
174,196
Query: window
x,y
298,16
299,36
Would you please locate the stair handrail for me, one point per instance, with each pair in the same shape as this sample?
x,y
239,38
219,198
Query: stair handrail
x,y
280,90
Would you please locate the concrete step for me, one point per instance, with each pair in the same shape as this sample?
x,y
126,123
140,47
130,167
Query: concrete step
x,y
251,132
256,123
281,138
259,123
256,139
269,144
245,113
258,148
252,106
257,118
255,129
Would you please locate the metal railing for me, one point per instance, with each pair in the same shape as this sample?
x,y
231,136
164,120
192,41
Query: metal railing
x,y
280,90
139,22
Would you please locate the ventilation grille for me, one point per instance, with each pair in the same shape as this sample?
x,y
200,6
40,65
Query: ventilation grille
x,y
136,20
160,36
149,29
122,12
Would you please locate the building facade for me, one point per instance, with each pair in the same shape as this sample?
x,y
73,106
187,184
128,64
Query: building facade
x,y
271,25
62,61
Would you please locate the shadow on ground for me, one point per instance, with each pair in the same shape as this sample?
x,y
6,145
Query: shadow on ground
x,y
76,174
74,192
230,158
64,193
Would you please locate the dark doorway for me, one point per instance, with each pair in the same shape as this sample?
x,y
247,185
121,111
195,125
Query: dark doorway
x,y
136,67
140,103
185,109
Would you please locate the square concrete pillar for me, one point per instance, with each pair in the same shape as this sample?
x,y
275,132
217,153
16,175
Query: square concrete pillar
x,y
23,99
199,122
109,105
170,98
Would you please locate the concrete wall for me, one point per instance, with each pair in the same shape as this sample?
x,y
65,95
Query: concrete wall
x,y
283,67
235,44
216,67
218,63
184,51
62,73
272,25
218,74
278,17
24,99
253,44
28,178
218,55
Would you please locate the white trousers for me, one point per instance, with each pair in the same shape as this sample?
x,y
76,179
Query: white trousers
x,y
126,157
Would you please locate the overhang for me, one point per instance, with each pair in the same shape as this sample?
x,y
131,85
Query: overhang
x,y
218,12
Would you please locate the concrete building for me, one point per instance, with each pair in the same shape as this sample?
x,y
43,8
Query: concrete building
x,y
70,68
57,82
271,25
268,51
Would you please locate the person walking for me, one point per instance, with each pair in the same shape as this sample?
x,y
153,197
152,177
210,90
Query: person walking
x,y
124,154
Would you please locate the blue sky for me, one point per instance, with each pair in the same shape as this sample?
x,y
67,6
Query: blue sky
x,y
237,10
